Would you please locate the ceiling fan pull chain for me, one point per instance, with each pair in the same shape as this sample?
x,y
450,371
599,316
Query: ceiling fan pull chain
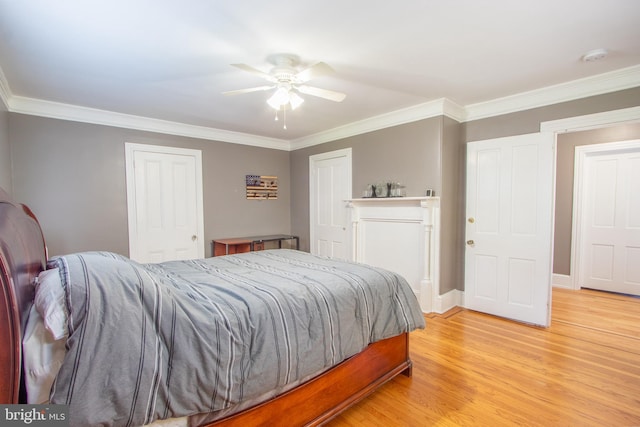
x,y
284,116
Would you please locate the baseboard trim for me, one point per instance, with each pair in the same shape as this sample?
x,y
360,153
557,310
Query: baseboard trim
x,y
562,281
455,298
446,302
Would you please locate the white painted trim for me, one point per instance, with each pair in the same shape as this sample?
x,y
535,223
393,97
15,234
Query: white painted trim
x,y
595,85
130,148
76,113
562,281
592,121
576,218
447,301
426,110
582,88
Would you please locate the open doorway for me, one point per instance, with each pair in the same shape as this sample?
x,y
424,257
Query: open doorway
x,y
620,125
606,236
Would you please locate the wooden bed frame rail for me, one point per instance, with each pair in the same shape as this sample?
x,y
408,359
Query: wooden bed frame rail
x,y
325,396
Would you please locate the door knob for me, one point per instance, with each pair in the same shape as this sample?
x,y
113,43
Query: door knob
x,y
194,238
470,242
471,220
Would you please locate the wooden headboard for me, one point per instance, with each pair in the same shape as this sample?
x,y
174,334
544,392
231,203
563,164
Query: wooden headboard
x,y
22,257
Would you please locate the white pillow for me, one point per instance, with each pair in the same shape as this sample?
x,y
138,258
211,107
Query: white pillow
x,y
50,302
42,358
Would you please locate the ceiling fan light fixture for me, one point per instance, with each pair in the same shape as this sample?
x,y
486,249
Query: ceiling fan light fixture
x,y
289,82
279,98
273,103
295,100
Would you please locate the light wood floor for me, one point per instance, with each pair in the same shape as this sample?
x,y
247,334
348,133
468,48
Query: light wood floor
x,y
472,369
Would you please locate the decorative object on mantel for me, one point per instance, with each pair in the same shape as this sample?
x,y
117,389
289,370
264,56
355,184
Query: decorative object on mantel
x,y
430,193
384,189
370,191
262,187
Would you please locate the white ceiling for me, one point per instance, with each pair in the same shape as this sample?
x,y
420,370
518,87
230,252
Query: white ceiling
x,y
171,60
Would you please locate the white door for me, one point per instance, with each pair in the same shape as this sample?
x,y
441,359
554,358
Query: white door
x,y
164,192
509,227
329,187
610,260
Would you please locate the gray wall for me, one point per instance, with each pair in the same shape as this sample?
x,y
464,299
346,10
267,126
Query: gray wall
x,y
528,121
420,155
409,154
564,184
452,207
73,177
5,150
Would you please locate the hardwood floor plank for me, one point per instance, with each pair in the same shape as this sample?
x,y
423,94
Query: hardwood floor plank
x,y
474,369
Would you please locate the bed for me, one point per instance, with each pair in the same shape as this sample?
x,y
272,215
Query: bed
x,y
308,385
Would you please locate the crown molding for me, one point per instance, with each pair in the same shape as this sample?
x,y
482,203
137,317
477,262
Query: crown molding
x,y
76,113
454,111
595,85
624,78
592,121
414,113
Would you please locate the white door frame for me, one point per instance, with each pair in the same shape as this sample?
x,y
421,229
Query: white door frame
x,y
578,123
345,152
579,197
130,149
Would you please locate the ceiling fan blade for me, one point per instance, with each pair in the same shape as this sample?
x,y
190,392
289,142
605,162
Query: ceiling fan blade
x,y
255,72
322,93
248,90
317,70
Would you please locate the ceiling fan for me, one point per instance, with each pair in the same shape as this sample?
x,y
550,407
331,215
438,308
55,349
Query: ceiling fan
x,y
288,82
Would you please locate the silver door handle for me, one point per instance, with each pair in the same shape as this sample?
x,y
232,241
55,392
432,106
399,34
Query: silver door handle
x,y
194,238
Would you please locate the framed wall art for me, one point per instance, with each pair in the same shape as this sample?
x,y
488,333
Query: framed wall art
x,y
262,187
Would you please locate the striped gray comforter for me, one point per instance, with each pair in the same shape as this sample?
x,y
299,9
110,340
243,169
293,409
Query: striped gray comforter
x,y
184,337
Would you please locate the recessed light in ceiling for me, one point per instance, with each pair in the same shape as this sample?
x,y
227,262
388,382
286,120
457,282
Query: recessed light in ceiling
x,y
595,55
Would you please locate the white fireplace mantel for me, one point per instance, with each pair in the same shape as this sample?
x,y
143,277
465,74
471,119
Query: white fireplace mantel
x,y
401,234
